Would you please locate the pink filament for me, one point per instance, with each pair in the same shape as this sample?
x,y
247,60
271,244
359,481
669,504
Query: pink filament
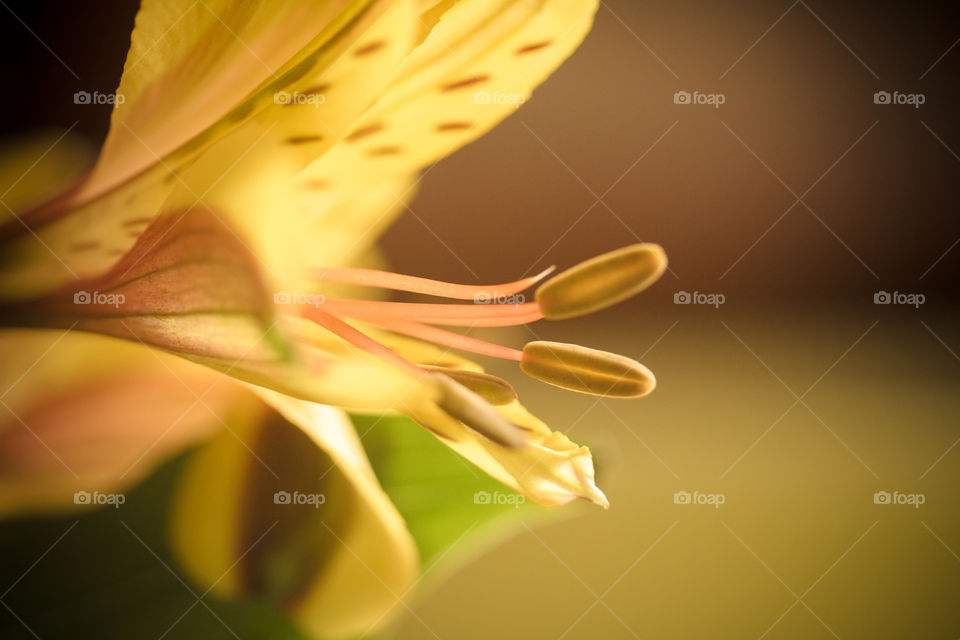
x,y
357,338
426,286
414,319
494,315
449,339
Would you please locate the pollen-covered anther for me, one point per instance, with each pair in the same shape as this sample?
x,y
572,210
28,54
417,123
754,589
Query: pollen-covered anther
x,y
470,409
577,368
601,281
494,390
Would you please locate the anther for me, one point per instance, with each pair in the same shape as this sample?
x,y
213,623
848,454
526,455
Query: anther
x,y
494,390
584,370
467,407
601,281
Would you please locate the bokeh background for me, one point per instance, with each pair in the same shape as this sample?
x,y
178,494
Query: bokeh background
x,y
797,399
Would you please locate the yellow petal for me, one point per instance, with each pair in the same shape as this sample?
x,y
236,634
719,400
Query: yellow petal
x,y
366,174
478,64
551,470
286,223
298,519
183,102
190,64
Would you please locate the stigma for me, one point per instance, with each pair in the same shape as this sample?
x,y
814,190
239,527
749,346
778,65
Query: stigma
x,y
588,287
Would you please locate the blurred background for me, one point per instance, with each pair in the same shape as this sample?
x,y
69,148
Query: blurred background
x,y
791,399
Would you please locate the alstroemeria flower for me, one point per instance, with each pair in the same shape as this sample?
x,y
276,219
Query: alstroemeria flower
x,y
258,150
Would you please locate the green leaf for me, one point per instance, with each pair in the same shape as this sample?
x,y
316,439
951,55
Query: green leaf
x,y
440,495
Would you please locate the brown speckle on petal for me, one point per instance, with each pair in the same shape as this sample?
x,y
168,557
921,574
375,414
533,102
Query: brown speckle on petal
x,y
454,126
317,90
303,139
530,48
363,132
367,49
467,82
385,151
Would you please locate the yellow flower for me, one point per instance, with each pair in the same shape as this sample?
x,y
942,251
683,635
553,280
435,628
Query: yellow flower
x,y
257,151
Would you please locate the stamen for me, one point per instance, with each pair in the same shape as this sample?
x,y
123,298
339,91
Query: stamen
x,y
467,407
584,370
359,339
456,399
601,281
449,339
494,390
587,287
425,286
478,315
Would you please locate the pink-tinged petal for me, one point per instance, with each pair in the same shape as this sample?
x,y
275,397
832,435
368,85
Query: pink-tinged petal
x,y
85,413
189,285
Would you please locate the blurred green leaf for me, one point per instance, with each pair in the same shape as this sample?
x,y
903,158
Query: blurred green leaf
x,y
441,495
